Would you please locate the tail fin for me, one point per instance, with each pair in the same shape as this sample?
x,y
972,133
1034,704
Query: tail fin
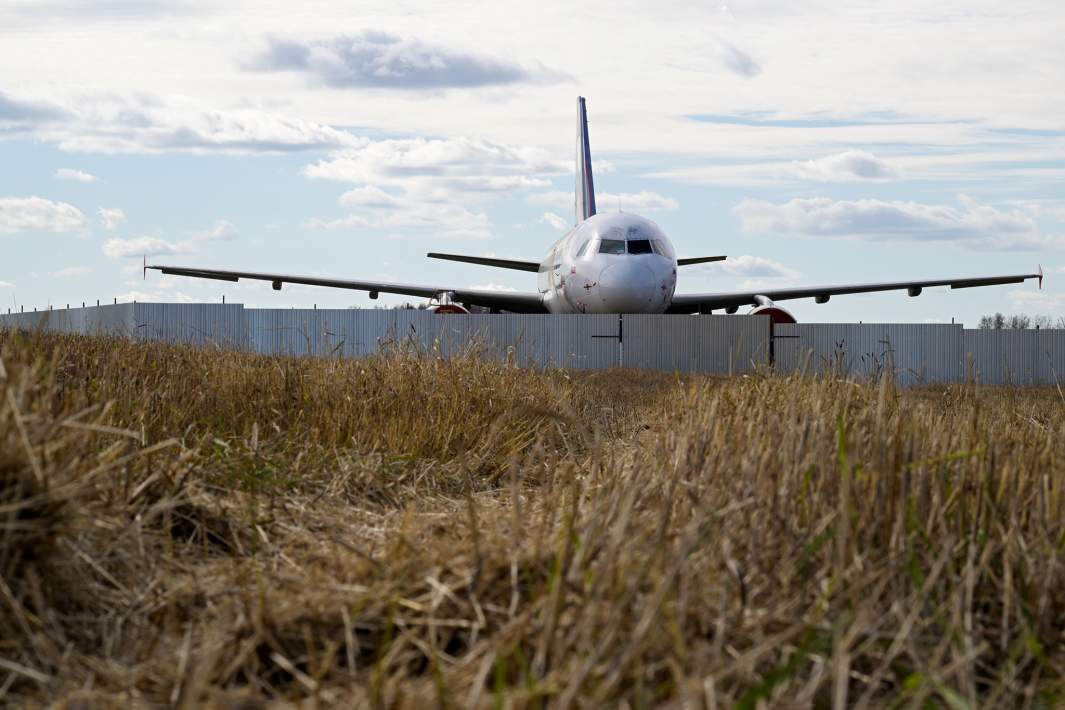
x,y
585,193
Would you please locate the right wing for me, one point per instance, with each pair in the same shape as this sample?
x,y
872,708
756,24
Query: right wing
x,y
503,300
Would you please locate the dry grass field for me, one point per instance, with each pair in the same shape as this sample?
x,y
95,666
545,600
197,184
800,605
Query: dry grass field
x,y
190,528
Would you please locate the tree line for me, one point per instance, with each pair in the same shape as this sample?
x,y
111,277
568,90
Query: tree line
x,y
998,321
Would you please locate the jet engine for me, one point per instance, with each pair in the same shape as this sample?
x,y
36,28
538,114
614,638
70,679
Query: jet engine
x,y
444,308
778,314
445,303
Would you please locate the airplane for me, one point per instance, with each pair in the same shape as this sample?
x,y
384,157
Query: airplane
x,y
607,263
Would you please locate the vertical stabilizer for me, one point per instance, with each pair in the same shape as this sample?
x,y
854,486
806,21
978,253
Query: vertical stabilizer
x,y
585,194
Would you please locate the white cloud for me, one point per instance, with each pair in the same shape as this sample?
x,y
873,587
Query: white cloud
x,y
386,61
369,196
847,166
439,169
146,246
70,271
738,62
110,217
14,110
444,220
643,201
1048,302
36,214
170,290
75,175
106,12
423,183
751,267
492,286
972,225
144,123
552,198
222,230
130,296
553,220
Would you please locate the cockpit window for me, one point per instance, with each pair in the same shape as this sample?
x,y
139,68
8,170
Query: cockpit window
x,y
612,246
584,248
662,248
640,246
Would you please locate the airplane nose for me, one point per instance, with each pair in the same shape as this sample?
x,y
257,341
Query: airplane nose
x,y
627,287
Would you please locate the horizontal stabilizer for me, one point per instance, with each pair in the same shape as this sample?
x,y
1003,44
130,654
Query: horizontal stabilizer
x,y
699,260
489,261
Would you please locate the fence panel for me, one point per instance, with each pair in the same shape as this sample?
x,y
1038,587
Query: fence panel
x,y
1050,357
916,353
705,343
91,320
1000,357
220,325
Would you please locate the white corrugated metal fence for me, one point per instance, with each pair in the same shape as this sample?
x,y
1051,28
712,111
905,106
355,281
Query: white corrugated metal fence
x,y
916,354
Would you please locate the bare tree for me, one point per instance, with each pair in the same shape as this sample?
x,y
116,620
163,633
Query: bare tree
x,y
1042,322
1020,321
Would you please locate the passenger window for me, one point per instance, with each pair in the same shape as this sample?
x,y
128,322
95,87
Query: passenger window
x,y
612,246
640,246
583,249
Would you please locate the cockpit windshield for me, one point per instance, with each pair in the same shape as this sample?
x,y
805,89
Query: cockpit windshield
x,y
612,246
640,246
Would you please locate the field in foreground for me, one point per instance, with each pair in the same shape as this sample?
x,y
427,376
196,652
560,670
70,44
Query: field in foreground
x,y
180,527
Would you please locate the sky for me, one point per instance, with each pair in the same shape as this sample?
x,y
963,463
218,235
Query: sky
x,y
813,142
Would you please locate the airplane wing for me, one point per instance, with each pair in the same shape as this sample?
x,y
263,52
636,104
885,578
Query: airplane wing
x,y
693,303
509,301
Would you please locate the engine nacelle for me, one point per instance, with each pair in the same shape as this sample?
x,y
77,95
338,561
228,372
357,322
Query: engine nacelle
x,y
445,308
778,314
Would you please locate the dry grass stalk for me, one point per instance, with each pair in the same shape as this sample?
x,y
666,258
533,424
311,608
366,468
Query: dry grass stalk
x,y
180,527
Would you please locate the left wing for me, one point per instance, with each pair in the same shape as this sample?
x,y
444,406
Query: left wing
x,y
692,303
503,300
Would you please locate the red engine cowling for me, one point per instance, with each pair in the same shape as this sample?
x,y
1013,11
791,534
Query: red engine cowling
x,y
445,308
778,314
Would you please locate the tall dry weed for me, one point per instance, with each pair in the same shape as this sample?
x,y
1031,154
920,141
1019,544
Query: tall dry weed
x,y
180,527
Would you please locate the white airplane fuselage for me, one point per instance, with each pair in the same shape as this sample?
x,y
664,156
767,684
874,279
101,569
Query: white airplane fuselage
x,y
609,263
